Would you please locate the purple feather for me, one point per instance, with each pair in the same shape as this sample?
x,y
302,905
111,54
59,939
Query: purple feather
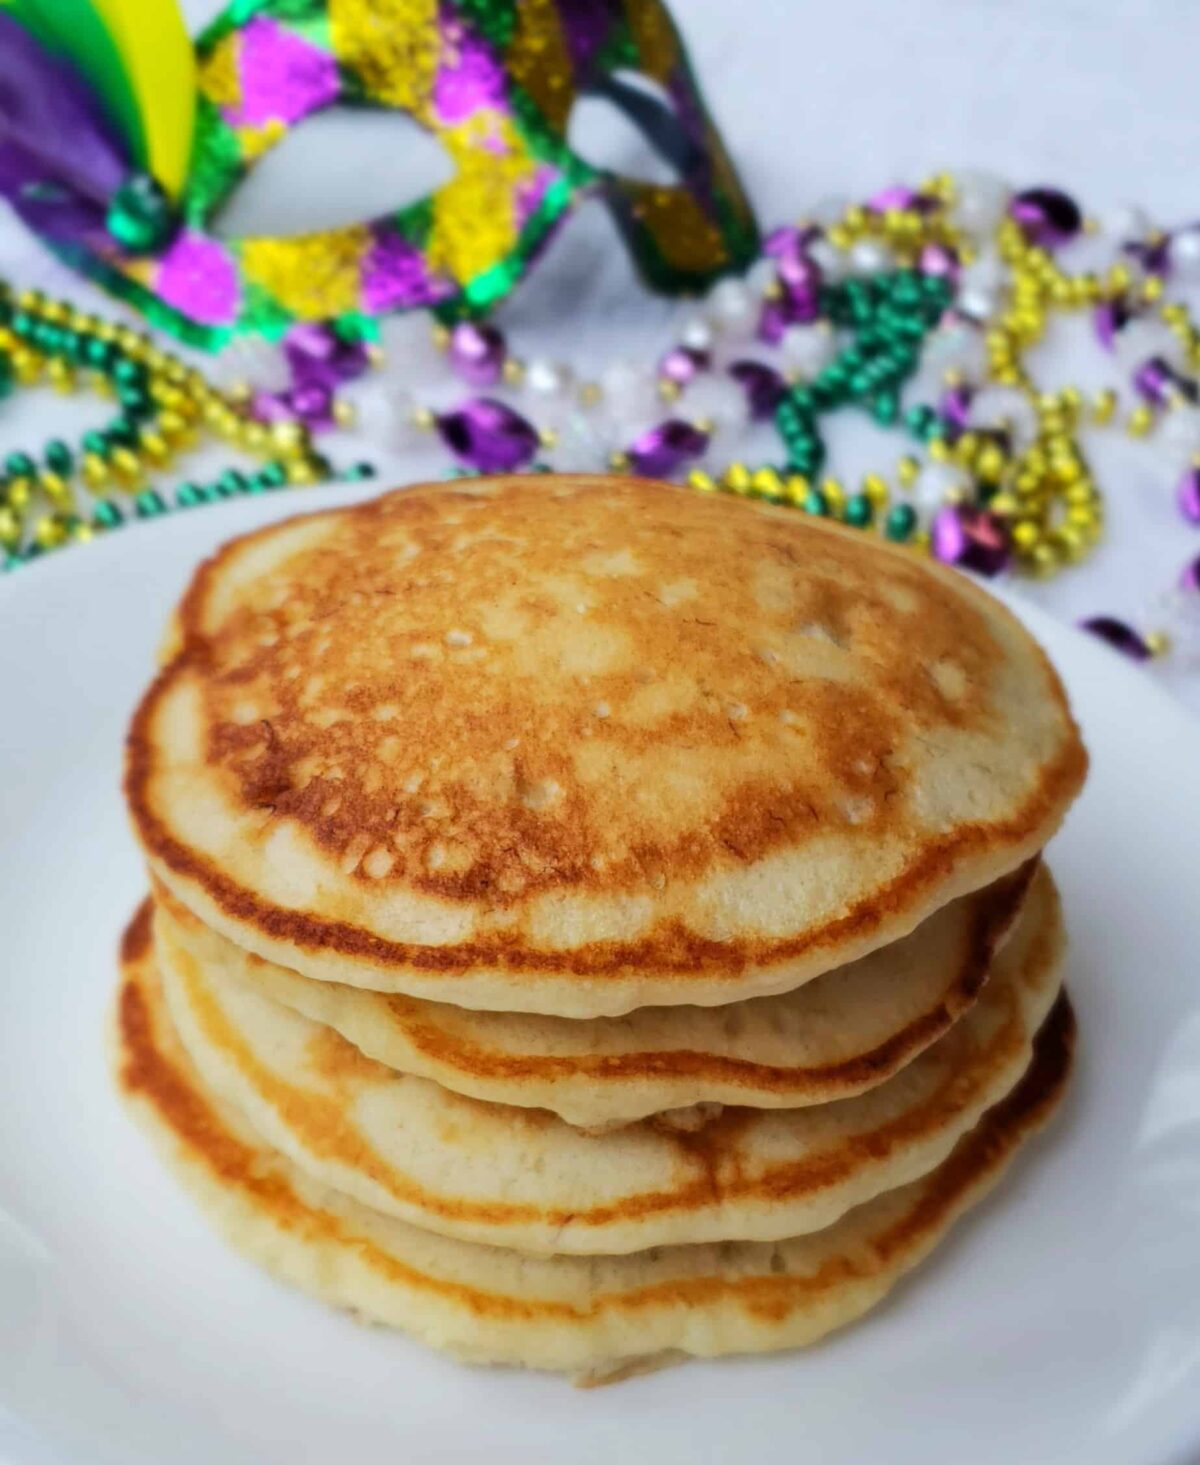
x,y
60,162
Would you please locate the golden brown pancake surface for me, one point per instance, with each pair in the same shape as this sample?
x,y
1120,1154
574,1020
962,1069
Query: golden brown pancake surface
x,y
579,745
584,1315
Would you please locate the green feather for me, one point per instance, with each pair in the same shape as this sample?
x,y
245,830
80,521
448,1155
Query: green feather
x,y
72,29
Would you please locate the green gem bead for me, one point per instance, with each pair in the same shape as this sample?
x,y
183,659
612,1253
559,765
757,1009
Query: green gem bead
x,y
22,324
98,353
814,503
358,471
126,370
95,441
19,465
274,474
901,522
188,495
140,217
107,515
122,431
231,482
149,504
70,343
59,458
884,408
858,511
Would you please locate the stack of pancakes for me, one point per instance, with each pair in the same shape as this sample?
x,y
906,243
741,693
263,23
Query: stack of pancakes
x,y
593,923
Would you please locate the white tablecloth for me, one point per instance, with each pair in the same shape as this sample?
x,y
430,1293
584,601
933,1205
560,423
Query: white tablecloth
x,y
819,99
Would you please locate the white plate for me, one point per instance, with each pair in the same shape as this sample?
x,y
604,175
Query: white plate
x,y
1060,1323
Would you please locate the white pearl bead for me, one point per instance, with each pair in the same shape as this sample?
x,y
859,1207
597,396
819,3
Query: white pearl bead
x,y
931,486
1178,613
995,405
1138,340
718,399
1178,437
734,308
696,333
760,276
808,349
546,378
978,301
980,200
1126,222
958,346
985,271
252,362
1185,255
869,257
626,385
831,261
385,414
409,349
578,446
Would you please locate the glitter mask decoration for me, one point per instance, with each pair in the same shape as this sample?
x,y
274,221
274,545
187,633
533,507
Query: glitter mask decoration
x,y
493,81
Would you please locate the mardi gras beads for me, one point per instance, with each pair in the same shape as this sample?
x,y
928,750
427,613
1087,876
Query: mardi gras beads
x,y
61,494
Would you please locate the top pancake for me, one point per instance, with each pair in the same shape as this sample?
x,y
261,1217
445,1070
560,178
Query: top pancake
x,y
580,745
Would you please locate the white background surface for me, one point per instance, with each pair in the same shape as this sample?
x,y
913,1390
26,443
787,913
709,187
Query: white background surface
x,y
819,98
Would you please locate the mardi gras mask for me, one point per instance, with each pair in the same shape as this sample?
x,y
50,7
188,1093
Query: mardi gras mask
x,y
119,146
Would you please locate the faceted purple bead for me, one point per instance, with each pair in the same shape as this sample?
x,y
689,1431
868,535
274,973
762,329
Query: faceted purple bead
x,y
800,277
1188,495
765,387
973,539
955,407
271,407
662,450
312,403
317,353
1047,216
682,364
941,260
1121,637
787,310
1189,578
1157,382
477,353
1154,380
1108,318
1154,254
899,197
774,320
309,402
789,240
488,435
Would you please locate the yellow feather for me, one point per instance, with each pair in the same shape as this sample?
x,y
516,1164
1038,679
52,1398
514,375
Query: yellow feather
x,y
157,54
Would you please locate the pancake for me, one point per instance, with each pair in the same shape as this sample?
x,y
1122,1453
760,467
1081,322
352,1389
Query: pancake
x,y
834,1037
594,1317
522,1178
575,746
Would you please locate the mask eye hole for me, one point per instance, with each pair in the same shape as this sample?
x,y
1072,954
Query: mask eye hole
x,y
626,123
384,160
